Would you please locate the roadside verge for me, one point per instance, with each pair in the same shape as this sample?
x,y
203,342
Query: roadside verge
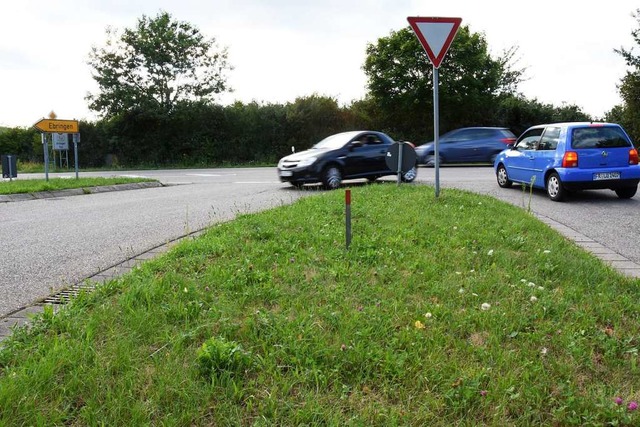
x,y
5,198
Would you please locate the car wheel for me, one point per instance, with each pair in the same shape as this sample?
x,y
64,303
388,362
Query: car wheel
x,y
410,175
626,192
331,177
430,161
555,191
503,177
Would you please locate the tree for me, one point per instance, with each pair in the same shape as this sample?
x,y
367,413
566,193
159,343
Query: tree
x,y
400,80
156,65
518,113
629,113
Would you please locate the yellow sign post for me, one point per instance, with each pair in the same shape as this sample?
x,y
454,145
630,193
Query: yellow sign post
x,y
57,126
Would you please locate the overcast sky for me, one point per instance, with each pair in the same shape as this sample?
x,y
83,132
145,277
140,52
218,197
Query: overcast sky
x,y
283,49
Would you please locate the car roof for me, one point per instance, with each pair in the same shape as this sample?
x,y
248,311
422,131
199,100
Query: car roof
x,y
574,124
353,133
483,127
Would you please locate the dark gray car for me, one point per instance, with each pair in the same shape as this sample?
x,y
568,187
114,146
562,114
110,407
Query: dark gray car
x,y
346,155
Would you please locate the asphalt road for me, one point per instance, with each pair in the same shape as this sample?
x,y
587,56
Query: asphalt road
x,y
47,245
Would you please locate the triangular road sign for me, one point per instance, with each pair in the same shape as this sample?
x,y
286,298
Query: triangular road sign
x,y
435,35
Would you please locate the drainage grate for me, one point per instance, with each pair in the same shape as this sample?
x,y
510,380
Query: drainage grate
x,y
66,295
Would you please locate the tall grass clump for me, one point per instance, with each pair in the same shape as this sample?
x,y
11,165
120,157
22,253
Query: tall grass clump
x,y
457,310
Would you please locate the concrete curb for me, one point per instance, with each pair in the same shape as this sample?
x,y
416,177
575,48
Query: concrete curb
x,y
23,316
608,256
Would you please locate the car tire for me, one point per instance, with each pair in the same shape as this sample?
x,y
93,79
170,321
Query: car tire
x,y
555,190
503,177
331,177
410,175
430,161
626,192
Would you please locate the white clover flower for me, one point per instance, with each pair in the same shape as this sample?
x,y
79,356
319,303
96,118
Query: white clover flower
x,y
472,271
455,227
523,280
531,284
490,253
428,315
485,306
540,288
533,298
543,350
461,291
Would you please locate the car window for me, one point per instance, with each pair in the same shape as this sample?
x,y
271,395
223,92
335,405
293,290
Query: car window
x,y
549,140
485,134
599,137
372,139
507,133
455,136
529,140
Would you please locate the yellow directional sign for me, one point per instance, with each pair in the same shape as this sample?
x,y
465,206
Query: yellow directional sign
x,y
57,126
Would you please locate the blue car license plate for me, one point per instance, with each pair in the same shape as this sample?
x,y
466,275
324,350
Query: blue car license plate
x,y
606,175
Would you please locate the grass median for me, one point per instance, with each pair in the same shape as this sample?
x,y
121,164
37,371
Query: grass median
x,y
56,184
461,310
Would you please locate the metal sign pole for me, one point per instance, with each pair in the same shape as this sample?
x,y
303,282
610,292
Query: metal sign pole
x,y
46,156
400,162
10,169
76,139
436,130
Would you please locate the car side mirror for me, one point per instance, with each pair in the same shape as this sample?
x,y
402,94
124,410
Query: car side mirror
x,y
355,144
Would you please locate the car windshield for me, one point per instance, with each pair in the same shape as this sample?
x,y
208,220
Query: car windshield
x,y
598,137
334,141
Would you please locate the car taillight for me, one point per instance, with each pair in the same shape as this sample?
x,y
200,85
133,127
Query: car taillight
x,y
570,160
633,156
508,141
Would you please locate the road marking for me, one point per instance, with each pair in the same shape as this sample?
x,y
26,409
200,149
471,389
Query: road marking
x,y
257,182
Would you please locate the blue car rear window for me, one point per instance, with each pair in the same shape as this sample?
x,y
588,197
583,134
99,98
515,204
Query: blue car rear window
x,y
599,137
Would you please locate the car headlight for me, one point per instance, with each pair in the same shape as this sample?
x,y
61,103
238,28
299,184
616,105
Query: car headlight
x,y
306,162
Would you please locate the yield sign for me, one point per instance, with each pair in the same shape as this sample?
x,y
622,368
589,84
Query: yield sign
x,y
435,35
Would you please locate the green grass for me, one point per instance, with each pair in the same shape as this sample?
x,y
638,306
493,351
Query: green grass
x,y
36,185
460,310
32,167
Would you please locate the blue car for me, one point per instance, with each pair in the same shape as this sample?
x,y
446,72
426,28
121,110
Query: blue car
x,y
566,157
466,145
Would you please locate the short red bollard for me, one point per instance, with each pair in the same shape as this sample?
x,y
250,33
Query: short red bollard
x,y
347,200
